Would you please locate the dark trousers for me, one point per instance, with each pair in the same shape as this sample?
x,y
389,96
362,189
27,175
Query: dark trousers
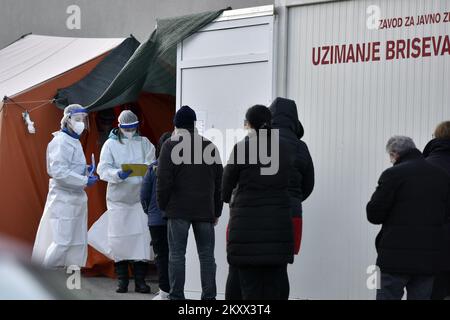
x,y
161,249
418,287
257,283
178,231
441,287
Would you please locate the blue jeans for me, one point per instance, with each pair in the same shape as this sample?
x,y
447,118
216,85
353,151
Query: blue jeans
x,y
392,287
178,231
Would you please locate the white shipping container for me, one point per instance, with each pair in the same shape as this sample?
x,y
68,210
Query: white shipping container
x,y
349,110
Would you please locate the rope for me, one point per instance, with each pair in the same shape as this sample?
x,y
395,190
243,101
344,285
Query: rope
x,y
13,102
43,103
36,101
40,106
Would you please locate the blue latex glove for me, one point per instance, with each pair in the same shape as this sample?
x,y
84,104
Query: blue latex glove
x,y
92,180
91,169
124,174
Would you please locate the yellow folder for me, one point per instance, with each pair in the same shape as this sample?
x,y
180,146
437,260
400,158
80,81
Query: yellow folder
x,y
139,170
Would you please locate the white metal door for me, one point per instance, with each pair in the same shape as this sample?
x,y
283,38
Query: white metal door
x,y
222,71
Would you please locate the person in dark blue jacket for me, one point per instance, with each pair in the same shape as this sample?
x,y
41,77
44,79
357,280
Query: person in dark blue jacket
x,y
157,224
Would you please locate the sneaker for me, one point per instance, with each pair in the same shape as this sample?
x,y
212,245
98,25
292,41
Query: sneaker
x,y
161,296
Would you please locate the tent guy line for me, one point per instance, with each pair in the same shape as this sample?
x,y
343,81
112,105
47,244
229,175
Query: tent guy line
x,y
19,103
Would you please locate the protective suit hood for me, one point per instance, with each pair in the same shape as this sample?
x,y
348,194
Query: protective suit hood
x,y
113,134
285,116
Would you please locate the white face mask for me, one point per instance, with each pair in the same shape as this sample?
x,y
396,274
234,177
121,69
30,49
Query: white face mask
x,y
128,134
77,126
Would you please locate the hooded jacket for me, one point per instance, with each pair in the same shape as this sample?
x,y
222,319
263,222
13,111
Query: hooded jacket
x,y
301,181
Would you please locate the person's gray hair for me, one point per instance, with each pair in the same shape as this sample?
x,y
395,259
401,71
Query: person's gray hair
x,y
399,144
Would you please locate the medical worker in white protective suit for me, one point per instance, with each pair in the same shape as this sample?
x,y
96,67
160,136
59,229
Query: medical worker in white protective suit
x,y
61,239
121,233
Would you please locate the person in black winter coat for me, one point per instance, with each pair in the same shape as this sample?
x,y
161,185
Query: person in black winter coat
x,y
260,236
437,153
301,181
411,203
188,191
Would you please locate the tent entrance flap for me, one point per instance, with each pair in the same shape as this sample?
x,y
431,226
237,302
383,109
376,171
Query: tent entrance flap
x,y
97,81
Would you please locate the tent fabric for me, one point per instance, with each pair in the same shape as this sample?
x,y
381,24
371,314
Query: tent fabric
x,y
152,66
36,58
35,67
23,169
23,156
96,82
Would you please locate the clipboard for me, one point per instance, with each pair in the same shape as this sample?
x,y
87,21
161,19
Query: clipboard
x,y
139,170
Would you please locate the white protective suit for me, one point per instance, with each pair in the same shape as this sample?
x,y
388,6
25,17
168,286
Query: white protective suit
x,y
121,233
61,238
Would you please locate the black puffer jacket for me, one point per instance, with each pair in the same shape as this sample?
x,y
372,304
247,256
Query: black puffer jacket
x,y
260,230
301,181
437,152
411,202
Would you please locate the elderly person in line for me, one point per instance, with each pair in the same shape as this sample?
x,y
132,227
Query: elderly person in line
x,y
411,203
